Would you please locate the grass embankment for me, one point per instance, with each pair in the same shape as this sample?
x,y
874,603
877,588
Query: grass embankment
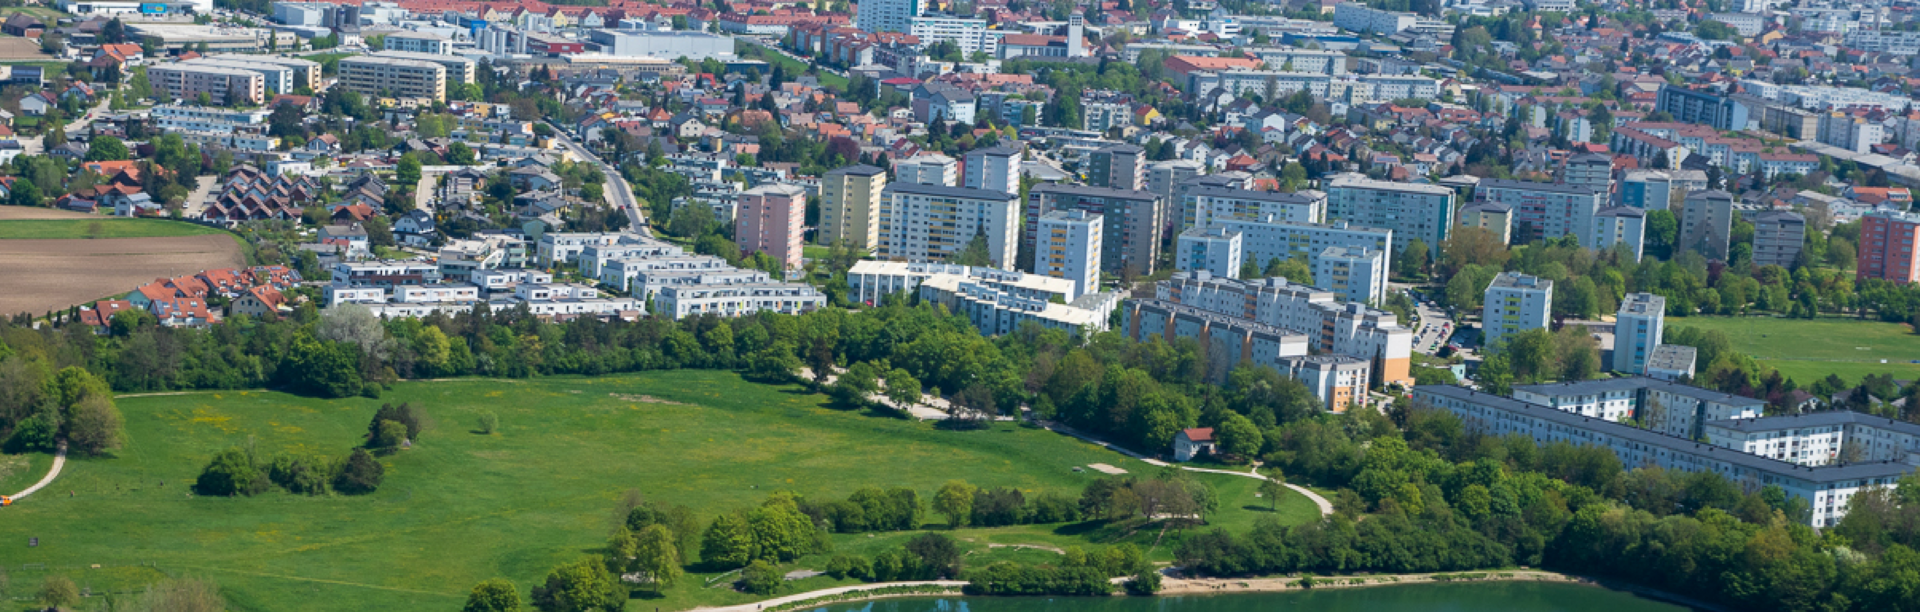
x,y
460,507
103,227
1809,349
795,68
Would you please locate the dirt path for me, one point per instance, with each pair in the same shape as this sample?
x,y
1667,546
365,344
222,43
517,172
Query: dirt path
x,y
59,461
1326,507
833,591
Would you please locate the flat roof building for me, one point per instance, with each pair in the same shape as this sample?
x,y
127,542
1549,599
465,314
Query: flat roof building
x,y
385,76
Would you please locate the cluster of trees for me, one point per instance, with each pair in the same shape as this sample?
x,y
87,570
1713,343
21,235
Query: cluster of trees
x,y
40,407
1077,574
928,556
241,471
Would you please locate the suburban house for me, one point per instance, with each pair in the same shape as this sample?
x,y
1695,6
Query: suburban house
x,y
36,104
1192,442
257,302
99,316
414,228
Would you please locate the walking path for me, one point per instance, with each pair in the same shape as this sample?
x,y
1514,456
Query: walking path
x,y
1326,507
59,461
834,591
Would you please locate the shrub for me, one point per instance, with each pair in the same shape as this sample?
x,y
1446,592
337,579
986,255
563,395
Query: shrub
x,y
1146,583
229,473
360,475
489,422
388,434
760,578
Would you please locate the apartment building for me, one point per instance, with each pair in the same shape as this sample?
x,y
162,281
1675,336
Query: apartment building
x,y
1340,381
993,169
1216,250
1647,189
871,281
738,300
770,221
1331,326
1639,327
920,222
1134,220
596,254
929,169
1826,488
1778,236
1202,206
1494,217
1593,170
385,76
629,274
1410,210
171,117
223,86
1356,274
1227,339
1544,211
849,201
556,248
1267,239
1820,438
459,68
1706,224
306,73
995,311
418,42
1164,178
1121,166
1616,227
1672,362
276,78
1069,247
1886,247
1514,303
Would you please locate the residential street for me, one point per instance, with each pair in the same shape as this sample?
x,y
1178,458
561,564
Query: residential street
x,y
620,194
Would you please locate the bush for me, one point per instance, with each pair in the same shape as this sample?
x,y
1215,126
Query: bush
x,y
404,414
388,434
230,473
839,566
300,476
489,422
1009,578
32,434
360,475
59,592
760,578
1147,582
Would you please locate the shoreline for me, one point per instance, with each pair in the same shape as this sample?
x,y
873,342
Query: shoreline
x,y
1183,587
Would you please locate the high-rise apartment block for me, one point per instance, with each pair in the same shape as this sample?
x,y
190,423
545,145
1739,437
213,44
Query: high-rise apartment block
x,y
1495,217
1638,329
401,78
1204,205
223,86
1163,177
994,169
1214,249
1134,219
929,169
1886,247
1122,166
770,221
888,15
1069,248
1515,303
1588,170
932,223
1778,236
1410,210
1330,325
1706,225
849,202
1358,274
1616,226
1544,210
1647,189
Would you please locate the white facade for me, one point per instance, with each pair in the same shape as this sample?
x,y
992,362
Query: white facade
x,y
1205,205
1214,249
1620,225
1267,239
418,42
1638,328
920,223
1332,326
994,169
1514,303
995,312
1069,247
969,34
169,117
930,169
887,15
737,300
1358,274
872,280
1410,210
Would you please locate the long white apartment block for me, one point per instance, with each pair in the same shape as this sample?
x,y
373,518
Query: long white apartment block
x,y
620,273
996,311
1819,438
928,169
1331,325
1411,210
1069,247
386,76
593,257
1264,240
170,117
920,223
1827,488
1204,205
681,301
306,73
872,281
460,69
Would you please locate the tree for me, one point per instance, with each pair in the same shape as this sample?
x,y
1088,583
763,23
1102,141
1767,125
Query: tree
x,y
1413,259
655,556
24,194
955,499
59,592
388,434
460,154
407,173
230,473
903,389
582,586
728,541
1272,488
1239,436
93,424
107,148
760,578
51,44
360,475
493,595
937,553
114,32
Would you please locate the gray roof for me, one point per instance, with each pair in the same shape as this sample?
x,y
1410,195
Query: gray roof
x,y
1826,473
1817,419
1122,148
1300,197
1779,216
1089,190
1672,357
1620,211
952,192
856,170
1533,186
1493,207
1588,387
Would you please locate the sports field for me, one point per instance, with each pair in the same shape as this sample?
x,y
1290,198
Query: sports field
x,y
1807,350
460,507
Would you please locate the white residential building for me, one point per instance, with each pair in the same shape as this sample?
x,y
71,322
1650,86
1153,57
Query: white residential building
x,y
872,280
993,169
929,169
1638,329
1411,210
1331,326
681,301
1204,205
1515,303
921,222
1214,249
1358,274
1264,240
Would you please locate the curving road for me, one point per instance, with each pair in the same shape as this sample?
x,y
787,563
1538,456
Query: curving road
x,y
621,195
1326,507
833,591
59,461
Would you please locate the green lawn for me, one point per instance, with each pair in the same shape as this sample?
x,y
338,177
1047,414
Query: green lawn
x,y
36,11
103,227
795,68
1805,350
460,507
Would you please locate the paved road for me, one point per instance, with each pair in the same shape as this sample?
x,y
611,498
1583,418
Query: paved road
x,y
35,146
202,194
1434,328
59,461
621,194
833,591
1326,507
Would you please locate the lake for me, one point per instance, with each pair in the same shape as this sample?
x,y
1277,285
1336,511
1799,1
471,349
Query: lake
x,y
1461,597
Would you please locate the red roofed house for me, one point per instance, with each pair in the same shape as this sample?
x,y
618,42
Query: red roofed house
x,y
1191,442
257,302
100,315
1181,65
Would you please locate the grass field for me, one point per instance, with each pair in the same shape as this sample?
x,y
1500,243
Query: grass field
x,y
1806,350
100,227
460,507
795,68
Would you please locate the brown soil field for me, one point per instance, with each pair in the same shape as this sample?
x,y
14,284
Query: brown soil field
x,y
43,275
16,48
19,213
